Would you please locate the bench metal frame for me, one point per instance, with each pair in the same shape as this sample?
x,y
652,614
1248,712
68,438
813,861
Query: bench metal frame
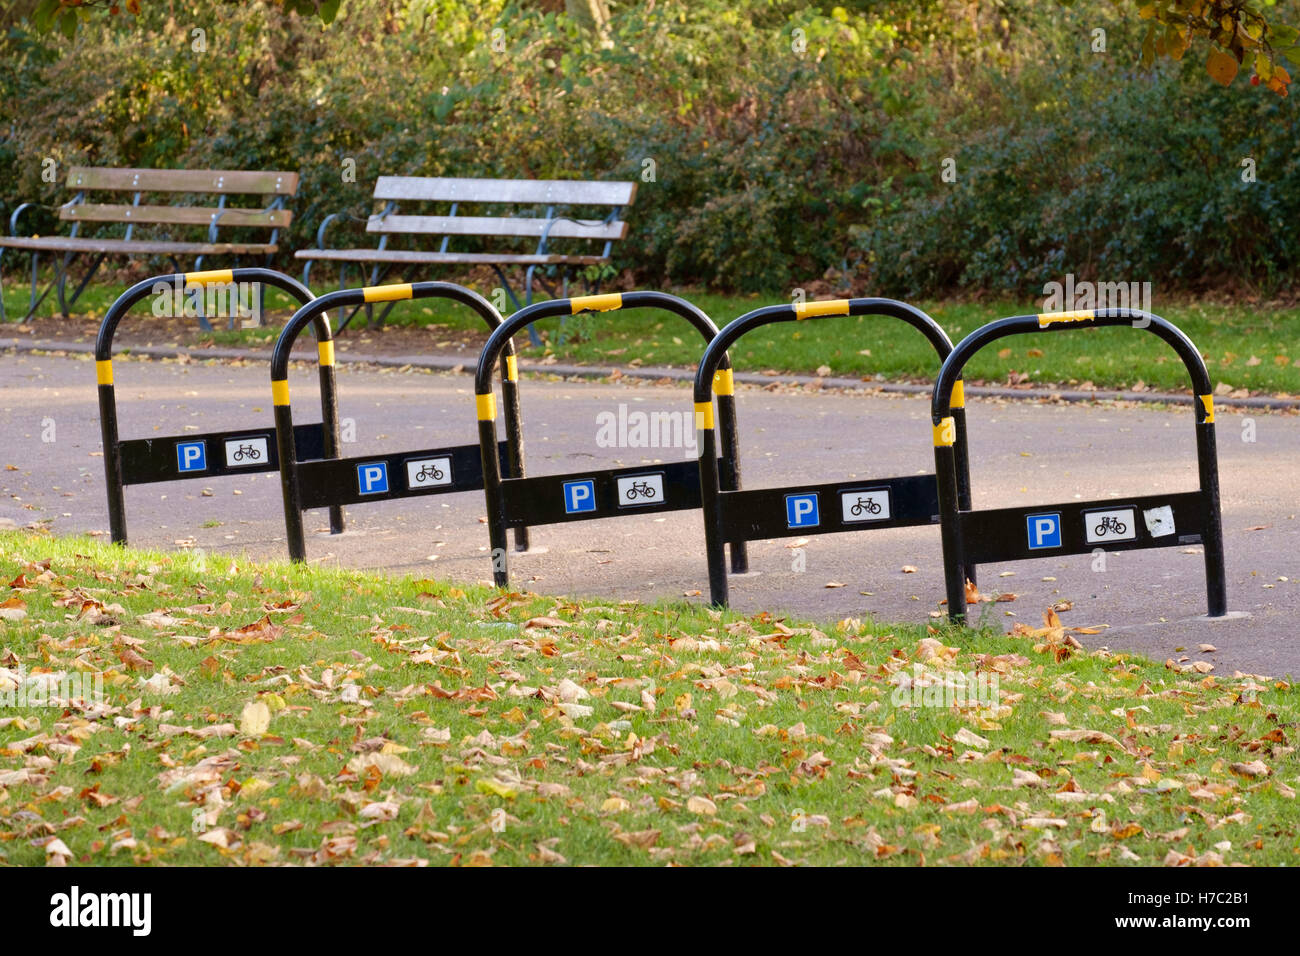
x,y
334,482
65,249
974,537
733,516
519,502
145,460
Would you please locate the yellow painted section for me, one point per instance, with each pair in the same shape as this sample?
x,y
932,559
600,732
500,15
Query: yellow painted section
x,y
210,277
597,303
806,310
487,407
512,368
1055,318
280,392
104,372
387,293
958,395
1208,402
723,382
945,433
326,350
704,415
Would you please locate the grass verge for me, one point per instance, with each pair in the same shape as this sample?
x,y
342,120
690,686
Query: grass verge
x,y
269,714
1246,347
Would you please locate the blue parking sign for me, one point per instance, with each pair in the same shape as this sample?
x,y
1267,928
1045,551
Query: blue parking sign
x,y
579,496
1044,530
801,511
192,456
372,478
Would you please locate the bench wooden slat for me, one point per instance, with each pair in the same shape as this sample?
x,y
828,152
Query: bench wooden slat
x,y
135,246
488,226
523,191
416,257
184,215
270,182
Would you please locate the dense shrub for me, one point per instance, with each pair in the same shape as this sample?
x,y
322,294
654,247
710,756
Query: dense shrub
x,y
1132,178
772,140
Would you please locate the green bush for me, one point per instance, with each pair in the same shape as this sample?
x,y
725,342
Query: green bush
x,y
1119,176
772,141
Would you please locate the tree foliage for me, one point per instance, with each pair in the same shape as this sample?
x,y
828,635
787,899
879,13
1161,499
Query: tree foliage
x,y
1236,31
774,141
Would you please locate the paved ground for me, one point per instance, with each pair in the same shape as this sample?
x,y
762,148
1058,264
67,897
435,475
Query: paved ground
x,y
1023,453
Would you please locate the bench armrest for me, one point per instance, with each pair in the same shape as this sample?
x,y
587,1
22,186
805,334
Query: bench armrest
x,y
324,224
13,220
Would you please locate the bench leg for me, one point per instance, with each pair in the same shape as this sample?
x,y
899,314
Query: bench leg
x,y
550,290
383,316
345,319
61,281
34,302
85,281
204,324
4,316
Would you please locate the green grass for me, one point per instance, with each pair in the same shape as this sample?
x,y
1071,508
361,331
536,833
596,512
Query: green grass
x,y
1246,347
410,720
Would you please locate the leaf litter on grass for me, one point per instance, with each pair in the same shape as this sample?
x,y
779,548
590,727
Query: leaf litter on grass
x,y
288,715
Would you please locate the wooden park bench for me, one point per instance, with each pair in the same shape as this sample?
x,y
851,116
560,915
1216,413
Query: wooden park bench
x,y
163,222
541,211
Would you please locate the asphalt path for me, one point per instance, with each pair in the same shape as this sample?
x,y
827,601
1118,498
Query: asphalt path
x,y
1023,453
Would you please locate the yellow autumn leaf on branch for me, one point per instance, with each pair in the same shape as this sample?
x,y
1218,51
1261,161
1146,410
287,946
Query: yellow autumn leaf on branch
x,y
1221,66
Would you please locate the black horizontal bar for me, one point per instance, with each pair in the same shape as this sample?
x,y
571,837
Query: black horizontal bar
x,y
177,457
349,481
1009,534
554,499
753,514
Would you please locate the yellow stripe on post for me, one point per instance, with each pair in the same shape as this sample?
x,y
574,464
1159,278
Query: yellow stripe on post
x,y
210,277
326,350
1054,318
723,382
1207,402
945,433
487,407
512,368
597,303
704,415
387,293
280,391
958,399
806,310
104,372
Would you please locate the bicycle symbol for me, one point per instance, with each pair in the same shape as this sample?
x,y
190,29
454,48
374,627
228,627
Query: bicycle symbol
x,y
640,489
865,506
251,452
429,472
1110,524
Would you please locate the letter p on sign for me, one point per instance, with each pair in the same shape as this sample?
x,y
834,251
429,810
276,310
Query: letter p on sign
x,y
801,511
372,479
191,456
1044,531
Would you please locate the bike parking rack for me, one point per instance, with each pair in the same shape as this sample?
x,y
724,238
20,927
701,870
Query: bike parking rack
x,y
733,516
210,455
554,499
972,538
334,481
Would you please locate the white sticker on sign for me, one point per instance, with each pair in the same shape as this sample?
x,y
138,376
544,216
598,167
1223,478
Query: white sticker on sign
x,y
428,473
245,452
638,490
1160,521
870,505
1117,524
